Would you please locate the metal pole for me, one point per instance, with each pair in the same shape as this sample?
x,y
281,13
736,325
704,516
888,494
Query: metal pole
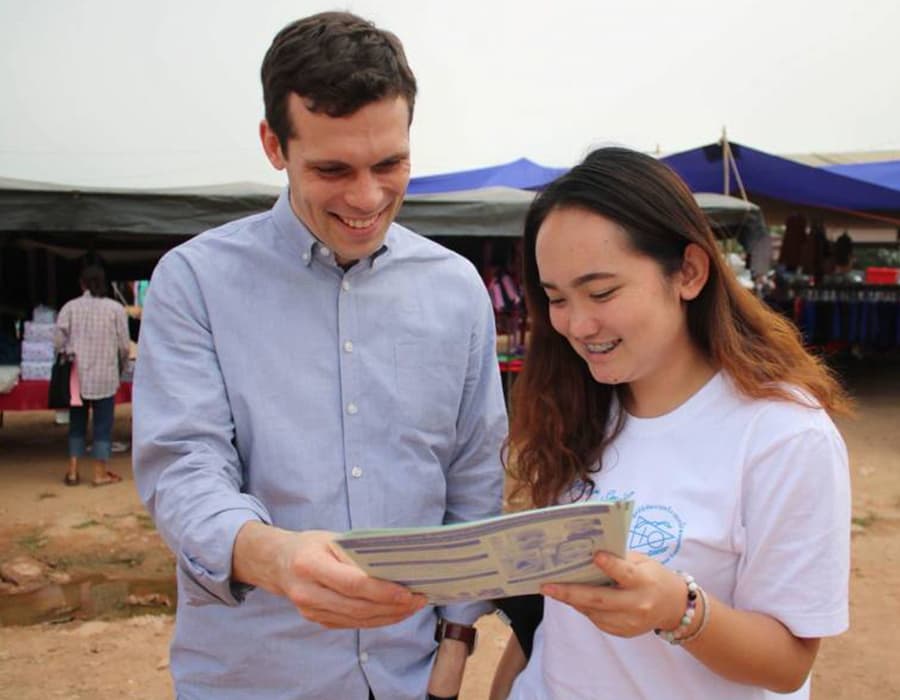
x,y
726,155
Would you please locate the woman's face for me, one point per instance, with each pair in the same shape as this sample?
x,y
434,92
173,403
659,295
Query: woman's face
x,y
616,308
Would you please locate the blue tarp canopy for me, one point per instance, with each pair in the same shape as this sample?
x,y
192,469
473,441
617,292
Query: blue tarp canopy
x,y
521,174
862,187
778,178
885,172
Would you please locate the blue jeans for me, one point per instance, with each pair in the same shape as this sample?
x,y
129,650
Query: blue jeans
x,y
103,422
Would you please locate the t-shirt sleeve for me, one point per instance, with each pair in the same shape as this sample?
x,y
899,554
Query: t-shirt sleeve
x,y
795,513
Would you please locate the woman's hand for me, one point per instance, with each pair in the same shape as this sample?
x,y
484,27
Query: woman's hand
x,y
646,596
740,645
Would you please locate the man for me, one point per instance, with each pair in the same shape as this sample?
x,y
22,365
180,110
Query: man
x,y
306,371
94,329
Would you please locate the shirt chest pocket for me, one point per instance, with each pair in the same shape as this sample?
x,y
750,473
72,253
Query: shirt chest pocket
x,y
429,379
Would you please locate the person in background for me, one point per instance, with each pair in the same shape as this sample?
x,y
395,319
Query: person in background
x,y
653,376
309,370
94,329
843,254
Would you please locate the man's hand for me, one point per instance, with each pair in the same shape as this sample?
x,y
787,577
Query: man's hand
x,y
310,571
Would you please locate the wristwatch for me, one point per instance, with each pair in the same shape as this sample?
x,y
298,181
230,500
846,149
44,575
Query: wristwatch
x,y
452,630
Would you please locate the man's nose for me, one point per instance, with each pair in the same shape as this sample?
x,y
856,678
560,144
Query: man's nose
x,y
364,193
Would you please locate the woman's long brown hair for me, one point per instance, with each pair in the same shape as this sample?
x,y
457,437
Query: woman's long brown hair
x,y
561,417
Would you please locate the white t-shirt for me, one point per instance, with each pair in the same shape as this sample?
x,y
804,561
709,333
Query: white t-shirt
x,y
751,497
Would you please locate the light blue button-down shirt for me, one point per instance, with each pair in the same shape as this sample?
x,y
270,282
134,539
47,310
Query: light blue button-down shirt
x,y
271,385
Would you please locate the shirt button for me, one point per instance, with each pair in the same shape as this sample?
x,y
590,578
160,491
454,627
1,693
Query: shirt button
x,y
356,472
306,257
363,656
345,285
348,346
324,252
352,409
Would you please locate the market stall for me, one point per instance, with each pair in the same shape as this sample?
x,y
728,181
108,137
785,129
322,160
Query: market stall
x,y
47,230
843,295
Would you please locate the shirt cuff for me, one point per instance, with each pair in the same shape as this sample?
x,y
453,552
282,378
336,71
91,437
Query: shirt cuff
x,y
465,613
206,578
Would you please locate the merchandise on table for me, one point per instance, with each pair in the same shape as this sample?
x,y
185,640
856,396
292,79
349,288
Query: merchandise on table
x,y
37,351
39,332
37,370
43,314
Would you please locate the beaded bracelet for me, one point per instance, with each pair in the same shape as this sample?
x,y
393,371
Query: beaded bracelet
x,y
703,623
677,635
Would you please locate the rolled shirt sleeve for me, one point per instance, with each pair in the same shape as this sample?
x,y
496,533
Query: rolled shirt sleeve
x,y
474,479
186,466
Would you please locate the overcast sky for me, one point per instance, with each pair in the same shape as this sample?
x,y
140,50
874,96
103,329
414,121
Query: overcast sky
x,y
166,92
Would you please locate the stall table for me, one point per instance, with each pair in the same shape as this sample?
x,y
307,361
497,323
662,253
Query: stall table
x,y
510,366
31,395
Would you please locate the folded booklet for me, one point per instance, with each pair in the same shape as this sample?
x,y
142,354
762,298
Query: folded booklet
x,y
497,557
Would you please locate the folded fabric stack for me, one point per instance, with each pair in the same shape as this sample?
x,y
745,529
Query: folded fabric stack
x,y
36,370
37,351
37,345
43,315
39,332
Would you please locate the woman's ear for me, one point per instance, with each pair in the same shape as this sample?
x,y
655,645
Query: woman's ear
x,y
694,272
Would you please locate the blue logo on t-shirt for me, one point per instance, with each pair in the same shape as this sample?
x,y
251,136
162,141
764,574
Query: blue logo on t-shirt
x,y
656,531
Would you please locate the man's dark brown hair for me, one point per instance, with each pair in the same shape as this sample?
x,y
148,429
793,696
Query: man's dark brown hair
x,y
337,62
93,279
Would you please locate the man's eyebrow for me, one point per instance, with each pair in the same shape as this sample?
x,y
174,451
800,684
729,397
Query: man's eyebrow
x,y
400,155
328,163
325,163
581,280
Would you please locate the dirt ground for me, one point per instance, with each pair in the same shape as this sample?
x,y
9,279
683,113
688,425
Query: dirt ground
x,y
104,561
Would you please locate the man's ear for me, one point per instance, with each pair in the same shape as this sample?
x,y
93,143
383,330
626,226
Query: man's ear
x,y
694,272
272,146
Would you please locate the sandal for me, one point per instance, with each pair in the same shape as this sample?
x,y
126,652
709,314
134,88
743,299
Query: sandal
x,y
109,478
72,480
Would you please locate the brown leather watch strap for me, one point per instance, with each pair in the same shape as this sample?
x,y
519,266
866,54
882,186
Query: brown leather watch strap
x,y
452,630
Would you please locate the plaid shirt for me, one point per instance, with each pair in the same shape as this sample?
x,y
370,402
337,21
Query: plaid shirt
x,y
95,329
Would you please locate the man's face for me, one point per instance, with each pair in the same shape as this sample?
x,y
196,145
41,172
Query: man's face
x,y
347,175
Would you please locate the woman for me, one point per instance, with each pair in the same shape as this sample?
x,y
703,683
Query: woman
x,y
652,376
94,329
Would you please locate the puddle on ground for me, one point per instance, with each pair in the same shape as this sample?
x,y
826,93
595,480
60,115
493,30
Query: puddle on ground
x,y
88,598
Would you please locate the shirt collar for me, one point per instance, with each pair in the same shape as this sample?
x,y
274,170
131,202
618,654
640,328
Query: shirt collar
x,y
310,246
288,223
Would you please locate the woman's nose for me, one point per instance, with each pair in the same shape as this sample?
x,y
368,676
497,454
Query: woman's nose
x,y
582,323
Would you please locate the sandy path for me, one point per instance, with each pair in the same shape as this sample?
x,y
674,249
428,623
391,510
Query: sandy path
x,y
127,658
